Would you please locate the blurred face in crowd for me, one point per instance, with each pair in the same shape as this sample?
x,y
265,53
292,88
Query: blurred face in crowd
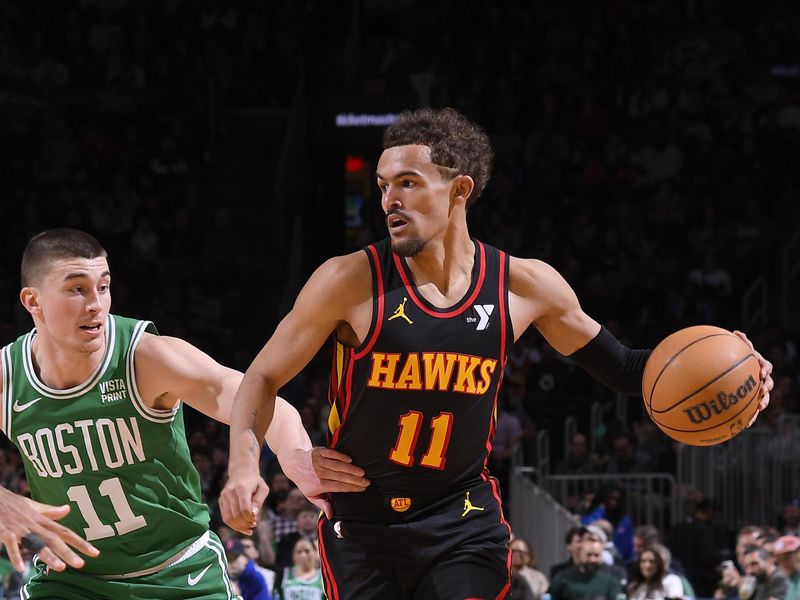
x,y
789,562
638,544
294,502
250,550
415,196
744,541
757,566
520,554
623,449
647,564
303,555
591,556
307,521
791,514
279,483
237,563
574,548
578,447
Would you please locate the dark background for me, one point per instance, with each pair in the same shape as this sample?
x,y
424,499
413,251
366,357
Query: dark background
x,y
649,150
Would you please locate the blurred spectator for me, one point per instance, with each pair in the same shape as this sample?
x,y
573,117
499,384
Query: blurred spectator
x,y
578,461
522,566
303,580
572,540
244,572
251,551
306,528
651,580
791,518
770,582
697,546
586,579
787,554
609,503
626,458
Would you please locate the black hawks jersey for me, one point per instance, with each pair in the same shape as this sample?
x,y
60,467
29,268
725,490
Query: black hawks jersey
x,y
415,404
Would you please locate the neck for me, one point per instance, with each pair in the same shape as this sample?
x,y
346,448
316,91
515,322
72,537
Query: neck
x,y
61,368
445,263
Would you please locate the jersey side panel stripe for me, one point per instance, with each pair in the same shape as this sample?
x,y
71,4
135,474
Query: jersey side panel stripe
x,y
378,294
151,414
7,390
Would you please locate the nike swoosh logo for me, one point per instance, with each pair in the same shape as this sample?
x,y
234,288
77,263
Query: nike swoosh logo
x,y
194,580
20,407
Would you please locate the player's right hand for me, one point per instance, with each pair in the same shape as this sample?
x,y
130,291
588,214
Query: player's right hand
x,y
21,517
241,500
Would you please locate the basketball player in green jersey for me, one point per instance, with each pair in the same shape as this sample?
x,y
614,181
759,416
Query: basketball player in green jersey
x,y
94,401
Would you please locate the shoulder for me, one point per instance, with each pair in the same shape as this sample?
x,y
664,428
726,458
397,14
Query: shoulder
x,y
530,276
345,278
156,354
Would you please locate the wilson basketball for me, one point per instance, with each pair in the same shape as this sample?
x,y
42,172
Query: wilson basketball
x,y
702,385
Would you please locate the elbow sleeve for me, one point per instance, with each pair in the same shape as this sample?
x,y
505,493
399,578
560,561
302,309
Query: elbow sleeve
x,y
615,365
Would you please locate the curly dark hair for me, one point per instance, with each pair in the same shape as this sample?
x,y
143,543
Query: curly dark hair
x,y
456,143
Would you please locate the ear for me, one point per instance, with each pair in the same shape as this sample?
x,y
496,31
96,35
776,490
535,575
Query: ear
x,y
29,296
461,189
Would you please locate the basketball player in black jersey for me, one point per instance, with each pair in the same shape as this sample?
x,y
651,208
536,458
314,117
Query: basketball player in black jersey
x,y
422,322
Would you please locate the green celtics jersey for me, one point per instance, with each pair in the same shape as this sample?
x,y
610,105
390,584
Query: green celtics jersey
x,y
293,588
124,468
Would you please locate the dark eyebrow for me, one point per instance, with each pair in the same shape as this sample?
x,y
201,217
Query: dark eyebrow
x,y
83,275
401,174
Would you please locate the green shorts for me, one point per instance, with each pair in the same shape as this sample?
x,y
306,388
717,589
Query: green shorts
x,y
203,576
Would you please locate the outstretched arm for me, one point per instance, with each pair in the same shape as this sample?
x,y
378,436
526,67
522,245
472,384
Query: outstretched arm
x,y
169,369
326,302
539,295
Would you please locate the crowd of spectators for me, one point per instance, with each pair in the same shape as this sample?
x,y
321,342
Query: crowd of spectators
x,y
646,149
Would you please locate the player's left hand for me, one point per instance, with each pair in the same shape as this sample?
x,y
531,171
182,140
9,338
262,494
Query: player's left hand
x,y
766,377
319,471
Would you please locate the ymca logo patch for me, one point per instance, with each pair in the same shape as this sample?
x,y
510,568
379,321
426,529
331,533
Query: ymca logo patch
x,y
480,316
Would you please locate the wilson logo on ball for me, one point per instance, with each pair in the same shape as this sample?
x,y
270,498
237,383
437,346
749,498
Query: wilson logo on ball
x,y
723,401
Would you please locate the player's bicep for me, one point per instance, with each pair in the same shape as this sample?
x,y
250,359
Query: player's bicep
x,y
170,369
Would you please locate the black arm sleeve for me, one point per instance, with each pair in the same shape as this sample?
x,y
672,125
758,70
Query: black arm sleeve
x,y
615,365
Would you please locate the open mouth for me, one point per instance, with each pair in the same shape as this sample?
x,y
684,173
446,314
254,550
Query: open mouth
x,y
395,221
94,328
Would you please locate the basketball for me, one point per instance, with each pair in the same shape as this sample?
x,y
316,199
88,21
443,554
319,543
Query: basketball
x,y
702,385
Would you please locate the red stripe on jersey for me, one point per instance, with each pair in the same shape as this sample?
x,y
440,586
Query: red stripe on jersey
x,y
496,494
331,589
503,298
379,319
345,386
452,313
346,396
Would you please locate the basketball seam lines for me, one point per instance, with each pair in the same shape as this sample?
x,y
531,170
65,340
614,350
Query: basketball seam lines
x,y
697,391
749,402
669,362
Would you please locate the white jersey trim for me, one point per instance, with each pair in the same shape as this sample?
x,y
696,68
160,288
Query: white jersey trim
x,y
151,414
80,389
8,391
177,558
